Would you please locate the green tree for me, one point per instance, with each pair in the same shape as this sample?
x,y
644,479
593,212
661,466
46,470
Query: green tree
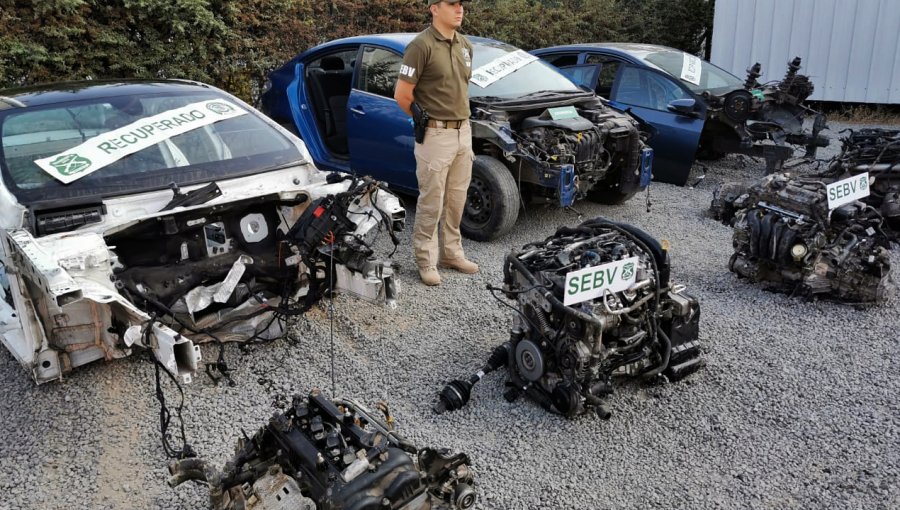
x,y
682,24
534,24
234,44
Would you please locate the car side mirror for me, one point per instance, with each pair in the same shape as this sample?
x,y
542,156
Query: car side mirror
x,y
683,107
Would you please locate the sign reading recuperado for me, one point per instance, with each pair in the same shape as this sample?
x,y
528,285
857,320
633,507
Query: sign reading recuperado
x,y
109,147
500,67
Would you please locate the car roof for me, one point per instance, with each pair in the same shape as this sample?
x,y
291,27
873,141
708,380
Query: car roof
x,y
397,41
52,93
636,51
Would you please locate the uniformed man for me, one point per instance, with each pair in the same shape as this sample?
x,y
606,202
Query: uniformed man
x,y
435,74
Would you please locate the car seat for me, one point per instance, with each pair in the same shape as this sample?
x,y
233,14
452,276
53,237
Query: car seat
x,y
330,91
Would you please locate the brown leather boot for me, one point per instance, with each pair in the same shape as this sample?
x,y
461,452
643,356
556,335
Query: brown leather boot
x,y
462,265
429,276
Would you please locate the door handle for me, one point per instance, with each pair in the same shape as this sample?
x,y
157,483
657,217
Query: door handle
x,y
358,110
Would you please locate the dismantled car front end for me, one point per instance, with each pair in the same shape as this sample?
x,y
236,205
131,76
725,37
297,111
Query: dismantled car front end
x,y
764,120
332,454
113,260
539,138
562,150
592,303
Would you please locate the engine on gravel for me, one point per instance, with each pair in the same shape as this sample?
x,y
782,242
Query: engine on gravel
x,y
591,303
876,152
332,454
786,237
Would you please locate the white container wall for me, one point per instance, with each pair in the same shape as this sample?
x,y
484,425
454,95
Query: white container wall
x,y
850,48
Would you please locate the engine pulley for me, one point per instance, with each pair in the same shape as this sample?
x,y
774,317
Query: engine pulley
x,y
529,360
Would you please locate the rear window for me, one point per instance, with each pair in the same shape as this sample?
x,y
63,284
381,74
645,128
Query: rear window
x,y
40,146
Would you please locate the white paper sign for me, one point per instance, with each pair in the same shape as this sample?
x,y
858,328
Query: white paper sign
x,y
847,190
500,67
691,68
592,282
105,149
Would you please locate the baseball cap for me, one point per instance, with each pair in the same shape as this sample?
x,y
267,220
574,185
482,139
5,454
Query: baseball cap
x,y
432,2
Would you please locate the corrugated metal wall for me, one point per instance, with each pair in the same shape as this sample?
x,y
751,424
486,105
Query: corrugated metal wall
x,y
850,48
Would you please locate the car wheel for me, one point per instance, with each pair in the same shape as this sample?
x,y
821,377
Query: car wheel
x,y
705,149
609,194
492,204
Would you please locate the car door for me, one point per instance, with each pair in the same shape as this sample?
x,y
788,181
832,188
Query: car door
x,y
318,96
649,95
584,75
567,64
560,59
590,70
379,133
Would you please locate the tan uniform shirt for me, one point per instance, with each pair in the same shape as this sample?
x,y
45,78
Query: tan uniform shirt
x,y
440,69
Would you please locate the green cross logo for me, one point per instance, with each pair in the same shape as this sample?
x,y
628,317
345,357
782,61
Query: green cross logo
x,y
220,108
70,164
627,271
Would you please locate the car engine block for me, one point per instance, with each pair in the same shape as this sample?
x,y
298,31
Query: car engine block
x,y
324,454
785,236
876,152
565,356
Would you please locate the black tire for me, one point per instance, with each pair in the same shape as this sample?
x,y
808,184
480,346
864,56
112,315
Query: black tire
x,y
705,151
492,204
609,194
706,154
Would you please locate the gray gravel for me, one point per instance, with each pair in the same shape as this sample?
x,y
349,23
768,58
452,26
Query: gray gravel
x,y
796,408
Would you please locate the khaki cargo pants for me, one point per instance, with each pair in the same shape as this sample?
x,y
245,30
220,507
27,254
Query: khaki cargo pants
x,y
443,169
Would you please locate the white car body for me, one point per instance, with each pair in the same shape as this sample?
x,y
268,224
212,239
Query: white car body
x,y
62,299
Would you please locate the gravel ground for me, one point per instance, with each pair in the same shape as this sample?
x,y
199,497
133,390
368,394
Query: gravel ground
x,y
796,407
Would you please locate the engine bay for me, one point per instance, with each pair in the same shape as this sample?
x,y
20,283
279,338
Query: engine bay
x,y
207,269
582,149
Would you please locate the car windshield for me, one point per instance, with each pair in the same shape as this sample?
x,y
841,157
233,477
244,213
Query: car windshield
x,y
534,76
126,144
716,80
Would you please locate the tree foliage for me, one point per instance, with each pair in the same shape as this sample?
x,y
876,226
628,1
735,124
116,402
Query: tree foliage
x,y
235,43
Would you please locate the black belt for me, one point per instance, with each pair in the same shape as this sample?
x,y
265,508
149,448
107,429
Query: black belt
x,y
448,124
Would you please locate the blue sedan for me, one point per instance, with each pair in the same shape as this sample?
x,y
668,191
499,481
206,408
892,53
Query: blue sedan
x,y
696,108
537,137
